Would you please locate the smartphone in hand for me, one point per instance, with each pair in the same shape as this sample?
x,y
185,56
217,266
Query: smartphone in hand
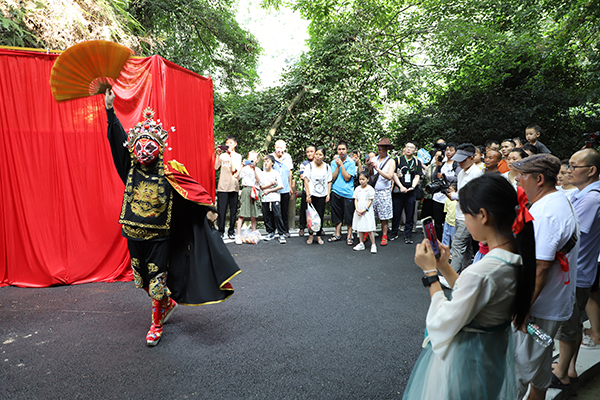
x,y
429,230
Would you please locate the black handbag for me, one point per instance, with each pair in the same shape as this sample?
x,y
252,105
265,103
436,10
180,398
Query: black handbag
x,y
419,193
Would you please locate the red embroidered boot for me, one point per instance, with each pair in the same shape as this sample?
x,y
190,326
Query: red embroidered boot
x,y
155,333
168,305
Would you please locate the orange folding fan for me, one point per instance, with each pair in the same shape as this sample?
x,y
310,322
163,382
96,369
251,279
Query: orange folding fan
x,y
87,69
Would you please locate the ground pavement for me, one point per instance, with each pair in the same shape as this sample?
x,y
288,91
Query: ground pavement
x,y
305,322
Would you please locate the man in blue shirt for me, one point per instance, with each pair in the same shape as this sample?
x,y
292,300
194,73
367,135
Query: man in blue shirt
x,y
584,167
342,192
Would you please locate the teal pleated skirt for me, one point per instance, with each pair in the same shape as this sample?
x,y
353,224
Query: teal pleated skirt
x,y
479,366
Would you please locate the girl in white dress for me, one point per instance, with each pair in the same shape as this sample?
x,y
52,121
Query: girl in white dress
x,y
468,349
364,217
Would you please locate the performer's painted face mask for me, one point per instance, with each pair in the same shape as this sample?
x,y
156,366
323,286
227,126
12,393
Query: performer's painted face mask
x,y
146,150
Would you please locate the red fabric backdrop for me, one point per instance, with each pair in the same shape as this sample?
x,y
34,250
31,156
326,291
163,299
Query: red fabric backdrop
x,y
61,196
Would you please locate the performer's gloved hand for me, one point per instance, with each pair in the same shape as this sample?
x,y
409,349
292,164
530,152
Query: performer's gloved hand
x,y
211,216
109,98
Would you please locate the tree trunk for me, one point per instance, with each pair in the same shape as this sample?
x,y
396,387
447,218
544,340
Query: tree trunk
x,y
279,120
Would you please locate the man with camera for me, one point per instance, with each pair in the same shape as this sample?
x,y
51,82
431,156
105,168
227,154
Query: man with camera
x,y
446,175
462,245
230,163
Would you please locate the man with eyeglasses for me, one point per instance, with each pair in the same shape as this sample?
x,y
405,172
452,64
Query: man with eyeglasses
x,y
556,249
583,167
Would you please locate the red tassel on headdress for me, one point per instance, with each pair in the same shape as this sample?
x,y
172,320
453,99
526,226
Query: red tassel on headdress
x,y
523,215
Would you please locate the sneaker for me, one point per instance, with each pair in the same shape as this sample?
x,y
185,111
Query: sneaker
x,y
393,236
270,236
384,240
282,239
373,248
359,247
288,235
232,236
238,240
402,228
408,240
588,343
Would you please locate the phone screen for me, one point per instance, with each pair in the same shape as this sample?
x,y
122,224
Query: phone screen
x,y
430,232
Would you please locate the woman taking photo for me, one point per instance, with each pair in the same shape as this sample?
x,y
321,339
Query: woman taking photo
x,y
468,350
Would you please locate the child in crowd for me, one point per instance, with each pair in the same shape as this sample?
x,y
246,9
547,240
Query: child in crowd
x,y
450,221
532,133
359,167
364,217
317,184
310,155
249,207
270,183
478,158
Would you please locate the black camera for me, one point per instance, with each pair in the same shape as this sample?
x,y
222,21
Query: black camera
x,y
441,146
440,158
438,185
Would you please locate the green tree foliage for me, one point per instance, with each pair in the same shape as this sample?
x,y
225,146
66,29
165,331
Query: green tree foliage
x,y
350,73
202,36
247,117
467,70
57,25
498,67
199,35
13,30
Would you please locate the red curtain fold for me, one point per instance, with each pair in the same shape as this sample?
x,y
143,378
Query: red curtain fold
x,y
61,195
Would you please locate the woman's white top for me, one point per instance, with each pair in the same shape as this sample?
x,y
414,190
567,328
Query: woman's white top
x,y
484,292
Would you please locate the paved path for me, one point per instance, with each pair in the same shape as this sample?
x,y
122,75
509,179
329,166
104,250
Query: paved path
x,y
305,322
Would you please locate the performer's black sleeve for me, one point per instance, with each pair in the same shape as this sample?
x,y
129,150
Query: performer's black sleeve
x,y
116,138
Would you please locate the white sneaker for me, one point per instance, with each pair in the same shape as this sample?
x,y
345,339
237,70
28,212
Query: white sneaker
x,y
238,239
373,248
281,239
360,246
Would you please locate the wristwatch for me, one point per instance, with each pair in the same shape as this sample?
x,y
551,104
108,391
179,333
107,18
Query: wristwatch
x,y
428,280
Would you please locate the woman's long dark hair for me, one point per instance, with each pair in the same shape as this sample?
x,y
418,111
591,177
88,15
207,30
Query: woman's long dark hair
x,y
493,193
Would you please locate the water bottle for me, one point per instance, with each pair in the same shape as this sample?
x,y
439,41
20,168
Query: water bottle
x,y
539,335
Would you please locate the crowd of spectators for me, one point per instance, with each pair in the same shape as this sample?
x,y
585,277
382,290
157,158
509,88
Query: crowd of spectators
x,y
563,198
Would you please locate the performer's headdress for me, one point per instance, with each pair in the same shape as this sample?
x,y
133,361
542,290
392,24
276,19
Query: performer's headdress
x,y
150,129
143,138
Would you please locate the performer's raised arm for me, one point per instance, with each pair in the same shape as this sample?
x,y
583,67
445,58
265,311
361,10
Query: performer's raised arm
x,y
117,137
